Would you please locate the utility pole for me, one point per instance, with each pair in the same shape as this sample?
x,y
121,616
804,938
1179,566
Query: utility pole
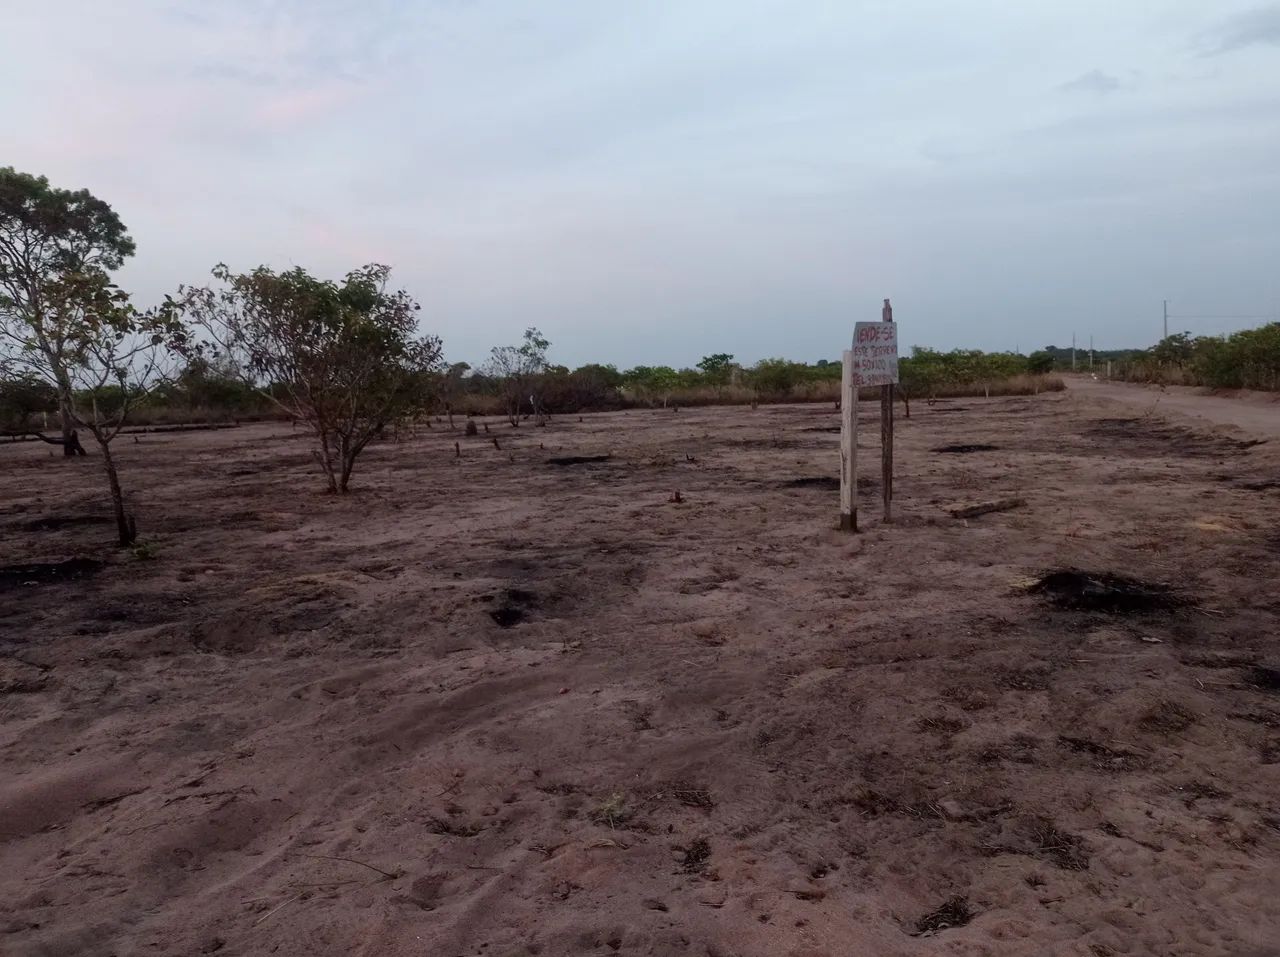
x,y
1091,352
1073,352
1166,319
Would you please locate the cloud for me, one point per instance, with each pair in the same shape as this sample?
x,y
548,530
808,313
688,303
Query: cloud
x,y
298,106
722,176
1257,27
1095,81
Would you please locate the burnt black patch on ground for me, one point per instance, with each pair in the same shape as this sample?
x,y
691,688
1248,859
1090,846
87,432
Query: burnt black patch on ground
x,y
514,608
822,428
507,616
52,523
774,443
826,483
1264,486
965,449
564,460
955,912
695,857
48,573
1263,679
1112,594
1158,438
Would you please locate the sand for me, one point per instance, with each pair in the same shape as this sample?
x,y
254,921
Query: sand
x,y
496,706
1257,413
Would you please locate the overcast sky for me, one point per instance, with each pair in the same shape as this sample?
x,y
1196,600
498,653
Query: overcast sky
x,y
650,182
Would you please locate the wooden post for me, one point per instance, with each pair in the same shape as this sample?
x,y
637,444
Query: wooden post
x,y
886,433
848,447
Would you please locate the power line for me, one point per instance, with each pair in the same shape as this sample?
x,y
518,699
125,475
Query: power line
x,y
1267,316
1241,317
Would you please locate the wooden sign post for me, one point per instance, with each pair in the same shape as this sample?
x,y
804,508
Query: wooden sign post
x,y
873,361
848,447
886,421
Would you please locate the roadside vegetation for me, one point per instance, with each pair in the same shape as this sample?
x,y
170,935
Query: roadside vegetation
x,y
1249,359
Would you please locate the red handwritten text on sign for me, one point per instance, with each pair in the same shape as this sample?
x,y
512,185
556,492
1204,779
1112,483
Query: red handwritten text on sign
x,y
875,353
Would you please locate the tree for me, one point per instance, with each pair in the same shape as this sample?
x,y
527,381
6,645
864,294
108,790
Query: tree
x,y
114,358
1040,362
343,358
776,377
1176,350
652,382
48,237
595,386
448,387
518,369
717,369
212,387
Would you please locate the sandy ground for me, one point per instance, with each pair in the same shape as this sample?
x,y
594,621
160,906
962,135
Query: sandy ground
x,y
1255,412
497,706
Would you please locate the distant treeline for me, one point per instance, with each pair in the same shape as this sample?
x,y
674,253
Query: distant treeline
x,y
202,393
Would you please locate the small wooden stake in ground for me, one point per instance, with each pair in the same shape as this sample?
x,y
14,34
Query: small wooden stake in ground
x,y
886,432
848,446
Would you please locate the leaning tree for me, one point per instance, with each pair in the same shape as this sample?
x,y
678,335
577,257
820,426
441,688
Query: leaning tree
x,y
50,238
344,358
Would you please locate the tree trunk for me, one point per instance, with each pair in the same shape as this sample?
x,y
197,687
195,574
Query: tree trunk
x,y
348,466
325,456
71,446
348,456
126,529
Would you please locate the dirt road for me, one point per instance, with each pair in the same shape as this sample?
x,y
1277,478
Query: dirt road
x,y
1251,412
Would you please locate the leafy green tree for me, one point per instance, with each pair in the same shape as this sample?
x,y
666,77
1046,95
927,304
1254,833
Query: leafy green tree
x,y
1040,362
345,358
717,369
594,386
776,377
48,238
1176,350
652,383
607,376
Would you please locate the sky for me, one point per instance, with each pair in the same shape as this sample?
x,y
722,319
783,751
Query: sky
x,y
653,182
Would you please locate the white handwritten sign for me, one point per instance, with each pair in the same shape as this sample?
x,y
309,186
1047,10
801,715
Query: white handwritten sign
x,y
875,353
